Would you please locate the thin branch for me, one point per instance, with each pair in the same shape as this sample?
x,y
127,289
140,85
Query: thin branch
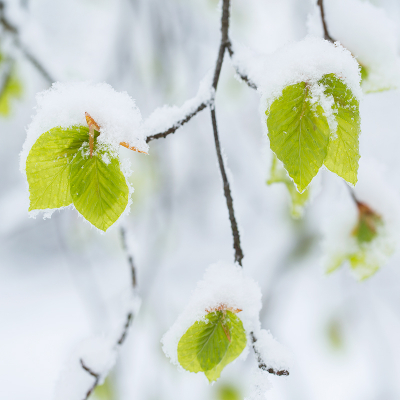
x,y
227,193
177,125
9,27
261,363
96,381
129,256
327,36
242,76
129,316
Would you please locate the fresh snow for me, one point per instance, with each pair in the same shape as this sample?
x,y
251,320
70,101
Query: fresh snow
x,y
64,105
305,61
369,34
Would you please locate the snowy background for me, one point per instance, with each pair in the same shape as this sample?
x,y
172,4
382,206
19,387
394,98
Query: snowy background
x,y
61,281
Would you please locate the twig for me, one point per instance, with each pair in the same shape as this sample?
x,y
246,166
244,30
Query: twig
x,y
327,36
261,363
9,27
227,193
242,76
177,125
129,316
96,381
129,256
227,190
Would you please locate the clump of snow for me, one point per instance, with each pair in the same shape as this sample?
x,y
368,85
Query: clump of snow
x,y
339,242
223,284
272,352
305,61
166,117
318,97
371,36
64,105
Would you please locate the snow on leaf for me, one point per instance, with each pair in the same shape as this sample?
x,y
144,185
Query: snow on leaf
x,y
343,153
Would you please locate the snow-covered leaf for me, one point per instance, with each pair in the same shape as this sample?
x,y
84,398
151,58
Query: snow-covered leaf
x,y
211,344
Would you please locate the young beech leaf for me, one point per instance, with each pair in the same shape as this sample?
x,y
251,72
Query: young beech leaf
x,y
361,257
98,187
298,200
48,166
343,154
299,133
208,346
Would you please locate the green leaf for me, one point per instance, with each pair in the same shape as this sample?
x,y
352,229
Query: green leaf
x,y
48,166
98,187
343,153
298,200
299,133
368,249
208,346
12,89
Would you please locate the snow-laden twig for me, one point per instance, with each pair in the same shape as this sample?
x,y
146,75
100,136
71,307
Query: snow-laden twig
x,y
261,363
241,75
13,30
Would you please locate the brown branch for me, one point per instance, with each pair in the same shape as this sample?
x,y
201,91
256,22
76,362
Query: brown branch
x,y
129,256
327,36
177,125
227,193
129,316
261,363
96,381
242,76
10,28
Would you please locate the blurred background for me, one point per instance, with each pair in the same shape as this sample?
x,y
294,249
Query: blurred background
x,y
61,281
